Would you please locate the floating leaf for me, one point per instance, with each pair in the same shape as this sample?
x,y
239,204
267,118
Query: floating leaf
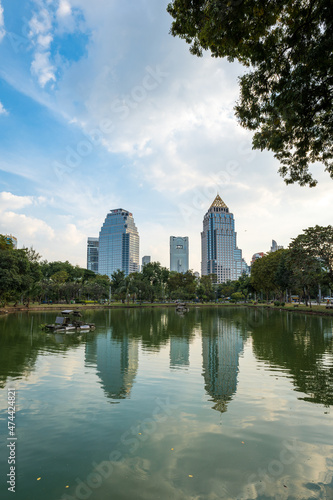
x,y
38,478
190,475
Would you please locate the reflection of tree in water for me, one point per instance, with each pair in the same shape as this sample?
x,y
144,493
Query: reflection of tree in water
x,y
222,343
19,348
301,344
152,326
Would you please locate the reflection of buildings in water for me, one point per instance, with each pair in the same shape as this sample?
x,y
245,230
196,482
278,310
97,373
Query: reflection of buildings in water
x,y
220,352
179,351
116,362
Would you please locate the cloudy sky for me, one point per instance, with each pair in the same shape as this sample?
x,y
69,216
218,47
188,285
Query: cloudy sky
x,y
101,108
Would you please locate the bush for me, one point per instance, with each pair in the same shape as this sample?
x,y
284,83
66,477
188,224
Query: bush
x,y
277,303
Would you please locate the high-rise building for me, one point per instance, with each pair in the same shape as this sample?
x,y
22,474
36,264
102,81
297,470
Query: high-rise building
x,y
219,252
275,246
179,254
92,254
145,260
118,244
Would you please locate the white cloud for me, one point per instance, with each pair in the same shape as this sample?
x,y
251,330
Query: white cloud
x,y
40,23
44,41
2,23
64,9
3,111
14,202
42,68
28,227
40,33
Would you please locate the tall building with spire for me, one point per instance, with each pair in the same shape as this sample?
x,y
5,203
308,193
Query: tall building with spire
x,y
219,252
118,244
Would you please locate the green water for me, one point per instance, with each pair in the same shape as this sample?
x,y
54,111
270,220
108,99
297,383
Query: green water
x,y
216,404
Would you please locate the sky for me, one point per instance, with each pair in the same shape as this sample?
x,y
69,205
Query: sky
x,y
101,108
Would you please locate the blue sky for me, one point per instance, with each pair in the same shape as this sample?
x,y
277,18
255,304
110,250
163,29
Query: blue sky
x,y
101,108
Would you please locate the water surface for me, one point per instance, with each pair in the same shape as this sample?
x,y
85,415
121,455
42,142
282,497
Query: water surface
x,y
216,404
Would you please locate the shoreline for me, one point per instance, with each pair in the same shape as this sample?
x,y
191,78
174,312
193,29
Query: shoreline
x,y
85,307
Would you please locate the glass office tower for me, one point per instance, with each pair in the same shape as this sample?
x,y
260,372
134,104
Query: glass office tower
x,y
92,254
118,244
219,251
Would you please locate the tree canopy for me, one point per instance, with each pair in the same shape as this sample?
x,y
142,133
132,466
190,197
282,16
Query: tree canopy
x,y
286,95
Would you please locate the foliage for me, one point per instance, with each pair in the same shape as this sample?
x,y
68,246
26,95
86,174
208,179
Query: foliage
x,y
265,273
18,274
205,290
317,243
310,255
5,243
182,285
237,296
286,96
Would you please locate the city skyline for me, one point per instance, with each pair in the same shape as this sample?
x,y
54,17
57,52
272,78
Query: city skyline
x,y
94,115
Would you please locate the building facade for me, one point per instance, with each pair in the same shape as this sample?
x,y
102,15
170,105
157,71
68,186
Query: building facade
x,y
179,254
275,247
92,254
219,252
145,260
118,244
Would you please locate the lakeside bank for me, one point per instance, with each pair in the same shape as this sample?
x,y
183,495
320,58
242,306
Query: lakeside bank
x,y
314,310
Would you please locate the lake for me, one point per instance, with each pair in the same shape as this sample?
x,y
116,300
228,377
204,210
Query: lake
x,y
218,403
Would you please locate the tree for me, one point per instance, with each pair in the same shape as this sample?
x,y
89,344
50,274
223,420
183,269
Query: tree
x,y
118,284
226,289
311,258
19,273
286,96
5,243
205,289
182,285
237,296
156,276
317,242
264,273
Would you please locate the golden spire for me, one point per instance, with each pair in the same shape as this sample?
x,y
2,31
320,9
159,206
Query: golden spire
x,y
218,202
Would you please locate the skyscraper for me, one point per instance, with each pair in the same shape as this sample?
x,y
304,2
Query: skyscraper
x,y
145,260
275,246
219,252
92,254
118,244
179,254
